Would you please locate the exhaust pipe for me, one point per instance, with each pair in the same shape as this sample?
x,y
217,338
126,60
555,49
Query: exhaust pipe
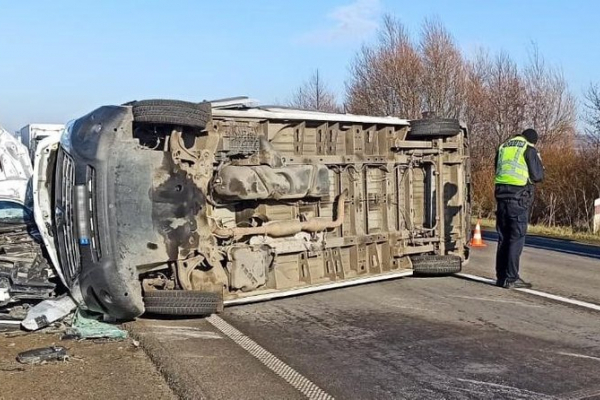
x,y
288,228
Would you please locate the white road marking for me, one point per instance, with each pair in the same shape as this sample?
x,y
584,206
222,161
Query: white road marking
x,y
476,278
578,355
165,332
290,375
520,303
497,385
171,327
562,299
510,389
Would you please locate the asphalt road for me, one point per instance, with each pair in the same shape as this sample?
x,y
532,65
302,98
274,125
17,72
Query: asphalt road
x,y
411,338
560,267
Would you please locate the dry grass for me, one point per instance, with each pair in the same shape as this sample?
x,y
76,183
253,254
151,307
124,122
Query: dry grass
x,y
558,232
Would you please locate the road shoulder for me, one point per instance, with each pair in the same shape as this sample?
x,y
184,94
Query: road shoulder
x,y
95,370
199,362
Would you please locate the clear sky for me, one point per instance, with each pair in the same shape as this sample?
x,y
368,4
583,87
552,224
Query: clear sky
x,y
61,59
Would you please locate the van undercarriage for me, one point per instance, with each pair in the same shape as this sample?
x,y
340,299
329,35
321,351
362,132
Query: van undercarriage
x,y
173,207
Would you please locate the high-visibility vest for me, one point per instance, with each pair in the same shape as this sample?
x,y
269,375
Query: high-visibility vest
x,y
511,168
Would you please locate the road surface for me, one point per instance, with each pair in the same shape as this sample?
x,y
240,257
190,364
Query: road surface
x,y
411,338
556,266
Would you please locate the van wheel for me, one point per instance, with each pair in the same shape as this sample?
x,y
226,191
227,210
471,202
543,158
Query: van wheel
x,y
173,112
182,302
435,265
434,127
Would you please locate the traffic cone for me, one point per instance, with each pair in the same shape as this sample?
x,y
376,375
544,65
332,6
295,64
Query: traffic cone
x,y
477,240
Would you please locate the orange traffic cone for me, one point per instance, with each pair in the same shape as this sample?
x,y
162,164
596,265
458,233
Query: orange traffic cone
x,y
477,240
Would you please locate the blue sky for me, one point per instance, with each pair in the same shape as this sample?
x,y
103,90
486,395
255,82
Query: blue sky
x,y
61,59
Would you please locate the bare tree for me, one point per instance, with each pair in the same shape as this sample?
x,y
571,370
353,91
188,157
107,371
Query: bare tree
x,y
444,72
497,99
477,102
493,107
385,78
591,117
549,106
591,135
314,95
506,94
395,76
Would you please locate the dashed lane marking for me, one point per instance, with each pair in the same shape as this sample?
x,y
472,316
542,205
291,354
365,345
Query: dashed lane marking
x,y
562,299
475,278
290,375
562,353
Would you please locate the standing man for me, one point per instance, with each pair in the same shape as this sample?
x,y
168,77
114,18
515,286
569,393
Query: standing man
x,y
518,167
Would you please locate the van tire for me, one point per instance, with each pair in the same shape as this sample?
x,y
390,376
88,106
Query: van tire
x,y
182,302
434,127
172,112
435,265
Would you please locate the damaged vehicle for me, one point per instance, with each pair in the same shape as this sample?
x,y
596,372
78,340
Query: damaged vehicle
x,y
172,207
25,274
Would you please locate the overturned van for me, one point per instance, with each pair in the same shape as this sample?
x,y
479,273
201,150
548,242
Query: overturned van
x,y
178,208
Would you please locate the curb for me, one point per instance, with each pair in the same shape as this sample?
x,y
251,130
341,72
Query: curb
x,y
170,368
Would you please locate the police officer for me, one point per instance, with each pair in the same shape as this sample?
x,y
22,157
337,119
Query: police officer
x,y
518,167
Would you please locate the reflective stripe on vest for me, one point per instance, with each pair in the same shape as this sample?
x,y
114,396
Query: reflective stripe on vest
x,y
512,167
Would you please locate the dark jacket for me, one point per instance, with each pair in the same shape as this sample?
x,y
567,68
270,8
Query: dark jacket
x,y
536,175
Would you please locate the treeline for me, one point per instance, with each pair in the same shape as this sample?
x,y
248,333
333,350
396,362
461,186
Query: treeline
x,y
403,75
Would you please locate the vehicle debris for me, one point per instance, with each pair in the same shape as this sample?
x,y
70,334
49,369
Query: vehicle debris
x,y
9,325
47,312
87,325
43,355
32,134
25,274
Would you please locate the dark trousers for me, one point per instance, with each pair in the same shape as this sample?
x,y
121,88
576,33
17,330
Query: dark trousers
x,y
511,224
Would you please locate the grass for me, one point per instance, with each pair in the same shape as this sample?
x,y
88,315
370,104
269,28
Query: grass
x,y
557,232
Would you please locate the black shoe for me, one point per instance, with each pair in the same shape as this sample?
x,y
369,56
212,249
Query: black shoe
x,y
500,283
518,284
